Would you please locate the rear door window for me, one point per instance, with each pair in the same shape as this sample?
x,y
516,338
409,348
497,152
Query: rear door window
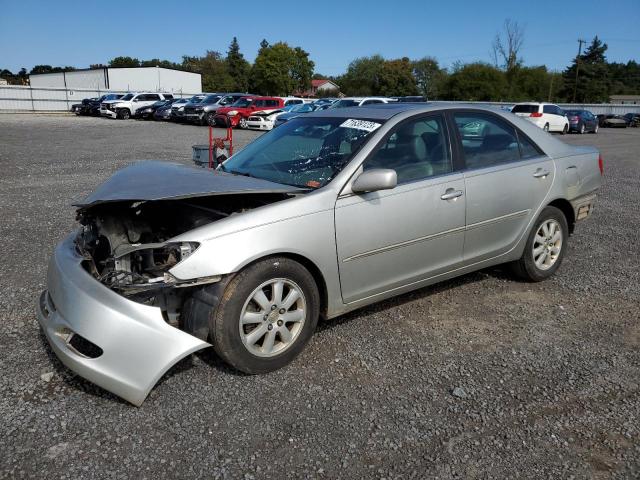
x,y
550,109
486,140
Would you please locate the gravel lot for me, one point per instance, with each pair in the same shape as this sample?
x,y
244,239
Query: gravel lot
x,y
479,377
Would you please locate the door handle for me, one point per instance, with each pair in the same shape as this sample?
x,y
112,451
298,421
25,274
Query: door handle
x,y
541,173
451,194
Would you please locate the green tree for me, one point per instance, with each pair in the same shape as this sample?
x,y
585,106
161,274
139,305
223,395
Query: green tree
x,y
49,69
396,78
429,77
593,79
362,76
528,83
238,67
156,62
124,62
476,82
281,70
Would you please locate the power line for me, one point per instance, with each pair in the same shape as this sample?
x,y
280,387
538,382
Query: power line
x,y
575,87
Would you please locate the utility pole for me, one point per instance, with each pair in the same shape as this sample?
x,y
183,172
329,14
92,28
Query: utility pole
x,y
551,86
575,87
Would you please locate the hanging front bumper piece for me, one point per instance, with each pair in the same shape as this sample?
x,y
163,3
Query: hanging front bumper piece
x,y
123,346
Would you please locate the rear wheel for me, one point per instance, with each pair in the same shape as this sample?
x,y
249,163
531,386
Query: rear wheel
x,y
242,123
565,129
546,127
545,246
267,315
124,114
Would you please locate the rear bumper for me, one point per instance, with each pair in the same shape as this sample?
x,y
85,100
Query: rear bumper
x,y
583,206
137,345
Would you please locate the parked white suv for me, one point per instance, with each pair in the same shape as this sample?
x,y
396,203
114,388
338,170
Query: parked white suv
x,y
547,116
124,107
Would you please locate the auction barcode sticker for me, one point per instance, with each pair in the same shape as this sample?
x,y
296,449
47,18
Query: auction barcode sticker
x,y
361,124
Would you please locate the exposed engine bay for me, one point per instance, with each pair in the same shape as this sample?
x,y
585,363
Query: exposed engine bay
x,y
126,246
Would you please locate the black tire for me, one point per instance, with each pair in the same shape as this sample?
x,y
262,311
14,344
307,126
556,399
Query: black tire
x,y
565,129
124,114
224,327
546,127
525,267
242,123
211,119
582,129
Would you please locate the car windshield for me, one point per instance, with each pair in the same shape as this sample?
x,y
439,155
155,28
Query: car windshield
x,y
304,152
211,99
302,108
242,102
196,99
128,96
525,109
345,103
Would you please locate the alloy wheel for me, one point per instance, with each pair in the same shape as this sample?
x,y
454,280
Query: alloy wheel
x,y
547,244
272,317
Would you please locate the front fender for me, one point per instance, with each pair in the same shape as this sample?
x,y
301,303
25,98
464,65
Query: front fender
x,y
310,236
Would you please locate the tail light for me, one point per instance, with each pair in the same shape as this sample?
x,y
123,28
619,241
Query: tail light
x,y
601,164
574,119
536,114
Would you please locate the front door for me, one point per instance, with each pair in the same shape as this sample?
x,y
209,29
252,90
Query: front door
x,y
393,238
507,178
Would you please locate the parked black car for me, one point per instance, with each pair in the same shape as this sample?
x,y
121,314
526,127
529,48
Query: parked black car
x,y
632,119
91,106
147,113
164,112
582,121
610,120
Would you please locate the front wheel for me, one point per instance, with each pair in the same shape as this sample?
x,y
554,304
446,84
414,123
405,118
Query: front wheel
x,y
267,315
595,129
124,114
582,129
211,119
545,246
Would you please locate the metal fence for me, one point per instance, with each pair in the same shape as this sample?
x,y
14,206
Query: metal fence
x,y
15,98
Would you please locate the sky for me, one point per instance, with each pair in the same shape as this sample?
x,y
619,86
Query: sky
x,y
79,33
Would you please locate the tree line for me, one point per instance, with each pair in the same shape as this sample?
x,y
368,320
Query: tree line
x,y
280,69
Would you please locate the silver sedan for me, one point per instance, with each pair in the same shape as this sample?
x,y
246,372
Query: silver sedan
x,y
331,211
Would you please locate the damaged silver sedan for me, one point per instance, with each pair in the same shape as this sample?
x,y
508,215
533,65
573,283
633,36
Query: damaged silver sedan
x,y
327,213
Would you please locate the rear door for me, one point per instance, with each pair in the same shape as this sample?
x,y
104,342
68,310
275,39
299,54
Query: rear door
x,y
507,177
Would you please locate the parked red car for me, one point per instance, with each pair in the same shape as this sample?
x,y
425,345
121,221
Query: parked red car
x,y
238,112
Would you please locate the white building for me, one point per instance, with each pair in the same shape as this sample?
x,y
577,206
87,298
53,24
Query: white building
x,y
150,79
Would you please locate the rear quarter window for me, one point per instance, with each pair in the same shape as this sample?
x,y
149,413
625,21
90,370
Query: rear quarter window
x,y
525,109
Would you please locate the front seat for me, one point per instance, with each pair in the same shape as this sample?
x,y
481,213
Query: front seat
x,y
417,163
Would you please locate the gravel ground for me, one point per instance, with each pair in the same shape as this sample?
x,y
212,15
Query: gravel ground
x,y
479,377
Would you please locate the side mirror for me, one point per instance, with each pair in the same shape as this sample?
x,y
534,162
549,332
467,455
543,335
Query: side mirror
x,y
374,180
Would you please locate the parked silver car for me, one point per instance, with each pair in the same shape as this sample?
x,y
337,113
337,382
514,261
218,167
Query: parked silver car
x,y
327,213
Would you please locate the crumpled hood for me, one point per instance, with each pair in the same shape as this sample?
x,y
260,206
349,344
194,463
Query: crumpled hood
x,y
155,180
